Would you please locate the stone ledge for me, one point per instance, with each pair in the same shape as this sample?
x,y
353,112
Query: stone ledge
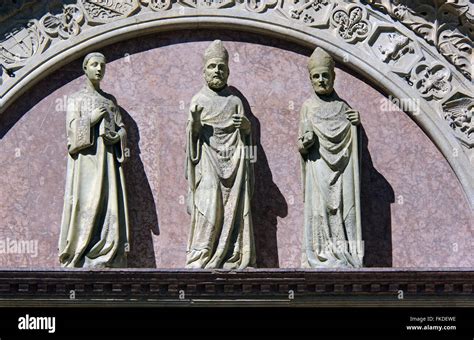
x,y
368,287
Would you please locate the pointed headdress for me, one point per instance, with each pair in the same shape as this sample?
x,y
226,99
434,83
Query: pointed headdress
x,y
320,58
216,50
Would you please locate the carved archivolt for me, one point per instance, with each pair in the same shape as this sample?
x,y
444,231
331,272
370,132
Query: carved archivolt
x,y
413,49
448,25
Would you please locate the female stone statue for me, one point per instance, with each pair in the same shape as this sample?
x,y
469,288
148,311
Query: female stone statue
x,y
330,172
94,227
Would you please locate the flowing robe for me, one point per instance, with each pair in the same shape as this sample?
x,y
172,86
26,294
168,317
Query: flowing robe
x,y
331,191
94,227
220,178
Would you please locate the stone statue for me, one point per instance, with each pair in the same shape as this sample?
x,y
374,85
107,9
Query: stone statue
x,y
94,227
328,145
219,174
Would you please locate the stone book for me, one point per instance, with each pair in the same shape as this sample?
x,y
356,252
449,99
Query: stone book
x,y
82,134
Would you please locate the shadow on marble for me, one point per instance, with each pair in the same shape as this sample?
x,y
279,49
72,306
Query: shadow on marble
x,y
268,203
141,204
376,197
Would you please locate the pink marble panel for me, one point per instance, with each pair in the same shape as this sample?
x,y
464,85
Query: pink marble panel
x,y
414,211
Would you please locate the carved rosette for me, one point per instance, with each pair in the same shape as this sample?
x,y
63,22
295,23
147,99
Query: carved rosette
x,y
431,81
351,23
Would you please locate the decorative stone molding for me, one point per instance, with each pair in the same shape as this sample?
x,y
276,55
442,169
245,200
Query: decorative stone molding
x,y
448,25
272,287
459,113
157,5
351,23
381,49
394,48
208,3
66,24
101,12
431,81
259,6
313,13
22,43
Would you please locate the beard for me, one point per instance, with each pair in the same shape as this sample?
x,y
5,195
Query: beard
x,y
216,83
323,90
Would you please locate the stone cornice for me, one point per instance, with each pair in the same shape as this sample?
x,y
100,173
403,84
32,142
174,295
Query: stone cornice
x,y
258,287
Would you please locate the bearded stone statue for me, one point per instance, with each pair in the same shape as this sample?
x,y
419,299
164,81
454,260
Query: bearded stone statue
x,y
219,173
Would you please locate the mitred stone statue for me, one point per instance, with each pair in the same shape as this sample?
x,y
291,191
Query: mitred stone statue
x,y
328,144
219,174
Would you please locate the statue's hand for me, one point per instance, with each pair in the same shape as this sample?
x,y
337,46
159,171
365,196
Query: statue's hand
x,y
241,122
308,139
112,138
353,116
98,113
196,111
